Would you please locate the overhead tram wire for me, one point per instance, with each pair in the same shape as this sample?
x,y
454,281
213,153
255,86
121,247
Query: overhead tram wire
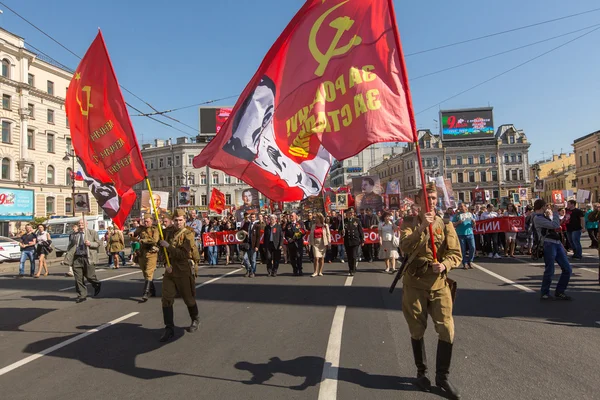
x,y
507,71
122,87
501,33
502,53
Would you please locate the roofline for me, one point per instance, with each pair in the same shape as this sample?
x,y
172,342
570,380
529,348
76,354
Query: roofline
x,y
586,136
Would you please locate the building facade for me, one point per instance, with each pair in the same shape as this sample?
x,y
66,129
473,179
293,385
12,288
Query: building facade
x,y
587,161
342,172
549,171
35,131
561,179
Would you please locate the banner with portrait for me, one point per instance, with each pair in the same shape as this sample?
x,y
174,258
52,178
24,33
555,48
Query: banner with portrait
x,y
367,193
393,187
478,196
183,197
82,203
312,204
161,200
247,201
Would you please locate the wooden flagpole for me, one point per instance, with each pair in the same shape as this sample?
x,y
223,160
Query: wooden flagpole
x,y
160,231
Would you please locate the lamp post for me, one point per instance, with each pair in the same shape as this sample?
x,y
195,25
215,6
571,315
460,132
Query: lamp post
x,y
70,154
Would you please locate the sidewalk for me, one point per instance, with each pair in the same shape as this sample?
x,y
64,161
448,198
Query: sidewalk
x,y
12,267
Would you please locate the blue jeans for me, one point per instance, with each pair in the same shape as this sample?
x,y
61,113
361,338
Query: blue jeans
x,y
555,252
341,252
27,254
575,242
213,253
467,244
252,259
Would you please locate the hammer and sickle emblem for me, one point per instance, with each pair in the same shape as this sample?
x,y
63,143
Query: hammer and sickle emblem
x,y
88,91
342,24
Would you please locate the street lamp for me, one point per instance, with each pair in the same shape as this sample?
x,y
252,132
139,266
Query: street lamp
x,y
69,154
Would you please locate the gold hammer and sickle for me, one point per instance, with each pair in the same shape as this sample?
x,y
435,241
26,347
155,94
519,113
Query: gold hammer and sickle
x,y
88,92
342,24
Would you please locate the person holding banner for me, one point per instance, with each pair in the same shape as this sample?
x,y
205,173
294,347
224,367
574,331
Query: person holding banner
x,y
427,290
148,236
511,237
295,238
490,239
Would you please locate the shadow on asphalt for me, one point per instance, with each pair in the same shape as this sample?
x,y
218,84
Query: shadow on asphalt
x,y
310,368
11,319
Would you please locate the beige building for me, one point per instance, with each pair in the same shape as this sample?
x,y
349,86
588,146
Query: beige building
x,y
587,161
342,172
562,179
35,132
391,169
553,171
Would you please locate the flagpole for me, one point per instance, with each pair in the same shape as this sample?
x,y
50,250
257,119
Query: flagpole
x,y
411,113
160,231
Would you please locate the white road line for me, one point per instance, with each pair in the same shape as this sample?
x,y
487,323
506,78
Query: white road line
x,y
503,279
573,265
328,387
587,269
49,350
103,280
217,278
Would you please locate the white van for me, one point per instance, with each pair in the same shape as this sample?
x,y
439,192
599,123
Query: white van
x,y
61,228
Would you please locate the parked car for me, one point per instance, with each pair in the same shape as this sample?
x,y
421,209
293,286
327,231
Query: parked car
x,y
9,249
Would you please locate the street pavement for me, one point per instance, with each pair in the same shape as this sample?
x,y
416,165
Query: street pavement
x,y
330,337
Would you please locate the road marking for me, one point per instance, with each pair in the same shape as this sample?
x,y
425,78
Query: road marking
x,y
503,279
587,269
328,386
217,278
570,263
103,280
49,350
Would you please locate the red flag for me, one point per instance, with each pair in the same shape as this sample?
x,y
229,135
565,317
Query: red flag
x,y
217,201
333,83
102,135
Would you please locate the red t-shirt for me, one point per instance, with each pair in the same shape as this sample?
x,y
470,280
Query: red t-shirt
x,y
318,232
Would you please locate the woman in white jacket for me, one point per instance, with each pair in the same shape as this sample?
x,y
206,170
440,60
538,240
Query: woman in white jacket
x,y
320,240
388,250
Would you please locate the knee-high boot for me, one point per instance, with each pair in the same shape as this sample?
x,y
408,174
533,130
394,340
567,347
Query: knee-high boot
x,y
193,310
442,370
422,381
169,324
146,290
152,289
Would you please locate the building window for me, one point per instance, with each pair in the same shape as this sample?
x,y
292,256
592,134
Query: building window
x,y
520,174
177,161
511,139
239,181
30,139
582,181
151,164
513,157
69,177
50,205
5,168
31,110
31,175
514,174
203,179
227,180
349,163
67,122
51,116
449,176
30,80
50,140
6,68
190,159
482,176
50,175
68,143
169,161
428,162
427,144
506,160
520,157
203,200
161,182
448,161
161,163
495,194
588,179
51,88
471,176
169,181
6,131
470,160
227,199
68,206
435,162
6,101
215,178
587,158
191,179
459,177
508,175
458,160
580,160
492,159
482,159
461,196
594,156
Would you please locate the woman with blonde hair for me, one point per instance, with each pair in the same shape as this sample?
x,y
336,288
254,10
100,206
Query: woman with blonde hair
x,y
388,250
320,240
115,244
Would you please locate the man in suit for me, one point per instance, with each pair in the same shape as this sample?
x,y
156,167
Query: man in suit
x,y
256,227
352,233
295,238
82,255
273,241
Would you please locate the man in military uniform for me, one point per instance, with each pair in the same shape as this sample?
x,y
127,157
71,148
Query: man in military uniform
x,y
353,235
295,238
148,236
368,198
178,277
426,289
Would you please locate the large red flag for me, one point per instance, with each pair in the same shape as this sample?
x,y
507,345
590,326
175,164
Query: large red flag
x,y
102,134
333,83
217,201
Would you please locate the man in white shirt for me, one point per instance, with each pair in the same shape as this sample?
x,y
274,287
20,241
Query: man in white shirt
x,y
490,239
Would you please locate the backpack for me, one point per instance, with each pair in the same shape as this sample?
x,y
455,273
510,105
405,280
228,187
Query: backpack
x,y
537,251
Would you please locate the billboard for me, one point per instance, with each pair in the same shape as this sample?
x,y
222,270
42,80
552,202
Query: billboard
x,y
475,123
212,119
16,204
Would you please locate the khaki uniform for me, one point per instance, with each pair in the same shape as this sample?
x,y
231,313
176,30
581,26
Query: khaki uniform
x,y
369,200
181,279
148,239
425,292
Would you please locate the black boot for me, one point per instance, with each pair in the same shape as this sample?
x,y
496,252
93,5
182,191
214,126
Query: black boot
x,y
169,324
152,289
442,370
422,381
146,291
195,319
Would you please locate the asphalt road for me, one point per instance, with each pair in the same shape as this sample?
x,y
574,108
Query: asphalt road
x,y
297,337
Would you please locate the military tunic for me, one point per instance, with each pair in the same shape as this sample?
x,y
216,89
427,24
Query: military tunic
x,y
180,279
148,238
353,239
426,292
369,200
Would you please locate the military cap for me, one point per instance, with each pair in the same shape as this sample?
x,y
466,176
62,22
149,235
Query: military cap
x,y
178,213
430,187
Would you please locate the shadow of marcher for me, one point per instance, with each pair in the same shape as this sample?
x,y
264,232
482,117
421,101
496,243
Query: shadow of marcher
x,y
11,319
101,350
49,298
310,368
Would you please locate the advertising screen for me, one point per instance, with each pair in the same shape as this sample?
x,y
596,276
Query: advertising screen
x,y
16,204
213,118
467,124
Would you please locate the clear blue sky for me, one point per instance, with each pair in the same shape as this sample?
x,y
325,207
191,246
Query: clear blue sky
x,y
179,53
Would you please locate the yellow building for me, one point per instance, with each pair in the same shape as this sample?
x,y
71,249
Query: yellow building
x,y
550,169
587,157
562,179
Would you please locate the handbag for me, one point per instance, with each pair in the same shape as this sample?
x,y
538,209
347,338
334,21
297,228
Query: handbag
x,y
396,240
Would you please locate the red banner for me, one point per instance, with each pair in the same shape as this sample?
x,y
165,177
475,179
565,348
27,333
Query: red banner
x,y
217,201
501,224
333,83
228,237
102,134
